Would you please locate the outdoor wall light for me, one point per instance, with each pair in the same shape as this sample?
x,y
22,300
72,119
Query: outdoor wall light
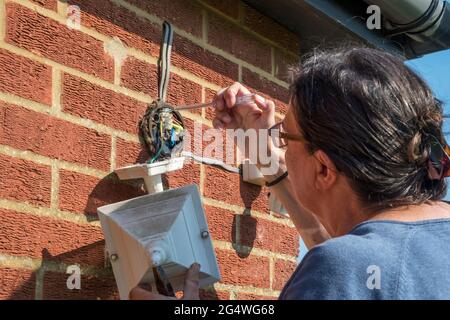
x,y
166,229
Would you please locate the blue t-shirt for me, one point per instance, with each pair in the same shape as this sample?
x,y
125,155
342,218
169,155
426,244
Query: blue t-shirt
x,y
377,260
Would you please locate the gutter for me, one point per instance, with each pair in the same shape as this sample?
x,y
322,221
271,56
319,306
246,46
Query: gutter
x,y
425,24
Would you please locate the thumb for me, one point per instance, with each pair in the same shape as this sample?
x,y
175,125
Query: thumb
x,y
191,283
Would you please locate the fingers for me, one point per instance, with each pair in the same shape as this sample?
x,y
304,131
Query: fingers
x,y
268,109
265,105
217,124
191,283
261,102
222,119
141,294
219,101
226,98
230,94
191,288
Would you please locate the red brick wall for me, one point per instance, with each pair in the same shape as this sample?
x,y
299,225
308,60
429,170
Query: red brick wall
x,y
68,117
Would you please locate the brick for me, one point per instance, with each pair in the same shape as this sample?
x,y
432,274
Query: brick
x,y
140,76
204,143
214,295
196,133
186,15
250,271
43,36
229,7
221,224
270,29
128,153
26,78
268,235
283,62
92,288
249,296
92,192
182,91
25,181
283,271
265,86
29,130
267,89
84,99
17,284
50,239
116,21
209,96
234,191
197,111
202,63
49,4
239,43
188,175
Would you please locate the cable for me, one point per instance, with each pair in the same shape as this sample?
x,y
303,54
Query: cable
x,y
161,131
211,162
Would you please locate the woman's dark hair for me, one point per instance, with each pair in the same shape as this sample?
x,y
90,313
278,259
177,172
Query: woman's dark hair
x,y
370,114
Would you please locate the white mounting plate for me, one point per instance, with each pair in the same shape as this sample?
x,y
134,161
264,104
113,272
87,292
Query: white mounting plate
x,y
142,170
276,206
174,217
251,173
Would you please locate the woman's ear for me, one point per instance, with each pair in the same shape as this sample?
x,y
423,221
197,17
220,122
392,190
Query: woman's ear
x,y
326,172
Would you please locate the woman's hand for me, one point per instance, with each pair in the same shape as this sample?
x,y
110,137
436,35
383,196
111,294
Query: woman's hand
x,y
190,291
256,115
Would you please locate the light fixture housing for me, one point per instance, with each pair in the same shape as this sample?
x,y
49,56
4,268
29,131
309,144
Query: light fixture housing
x,y
167,229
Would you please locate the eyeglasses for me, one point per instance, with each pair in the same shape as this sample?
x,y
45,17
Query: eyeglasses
x,y
439,160
280,137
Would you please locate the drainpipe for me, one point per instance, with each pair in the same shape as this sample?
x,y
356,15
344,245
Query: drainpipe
x,y
427,22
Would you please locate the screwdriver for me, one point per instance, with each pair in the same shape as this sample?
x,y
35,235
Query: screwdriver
x,y
162,282
246,98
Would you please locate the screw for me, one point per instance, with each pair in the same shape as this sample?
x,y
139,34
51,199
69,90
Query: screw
x,y
114,257
205,234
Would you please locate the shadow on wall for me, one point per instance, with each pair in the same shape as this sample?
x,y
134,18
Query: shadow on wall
x,y
247,233
110,190
97,283
50,280
244,225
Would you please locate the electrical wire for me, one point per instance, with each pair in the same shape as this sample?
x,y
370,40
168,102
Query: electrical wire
x,y
211,162
161,131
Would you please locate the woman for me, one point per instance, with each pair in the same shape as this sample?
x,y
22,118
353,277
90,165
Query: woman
x,y
364,148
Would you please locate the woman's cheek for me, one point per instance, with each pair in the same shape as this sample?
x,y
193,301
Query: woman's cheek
x,y
293,168
289,164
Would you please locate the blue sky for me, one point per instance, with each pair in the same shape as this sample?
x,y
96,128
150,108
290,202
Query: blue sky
x,y
435,69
